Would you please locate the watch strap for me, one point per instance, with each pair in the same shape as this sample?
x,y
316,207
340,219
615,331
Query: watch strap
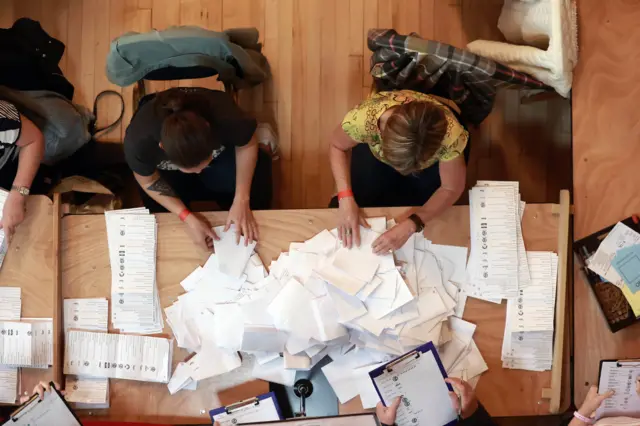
x,y
419,223
22,190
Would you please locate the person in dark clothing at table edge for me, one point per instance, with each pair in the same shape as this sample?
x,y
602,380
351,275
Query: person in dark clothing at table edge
x,y
188,144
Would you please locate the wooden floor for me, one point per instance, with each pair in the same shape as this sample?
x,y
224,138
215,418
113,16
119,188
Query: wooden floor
x,y
318,55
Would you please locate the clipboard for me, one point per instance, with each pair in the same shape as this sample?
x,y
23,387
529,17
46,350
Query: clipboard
x,y
623,376
425,400
53,409
262,408
361,419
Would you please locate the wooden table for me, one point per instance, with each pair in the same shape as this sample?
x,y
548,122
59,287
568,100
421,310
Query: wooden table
x,y
606,150
29,265
86,273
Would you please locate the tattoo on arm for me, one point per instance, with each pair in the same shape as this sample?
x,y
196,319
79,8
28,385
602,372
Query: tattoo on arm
x,y
162,188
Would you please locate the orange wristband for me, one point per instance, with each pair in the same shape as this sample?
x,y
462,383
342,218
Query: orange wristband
x,y
345,194
184,214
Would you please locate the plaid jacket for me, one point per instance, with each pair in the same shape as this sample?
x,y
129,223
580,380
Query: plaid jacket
x,y
471,81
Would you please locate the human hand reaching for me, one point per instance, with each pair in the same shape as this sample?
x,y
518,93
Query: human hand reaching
x,y
466,403
349,220
387,415
394,238
241,215
40,389
593,401
13,213
200,232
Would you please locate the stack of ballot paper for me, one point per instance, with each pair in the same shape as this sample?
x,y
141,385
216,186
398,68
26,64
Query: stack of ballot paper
x,y
89,315
28,343
528,334
4,243
497,265
131,235
10,303
320,299
8,384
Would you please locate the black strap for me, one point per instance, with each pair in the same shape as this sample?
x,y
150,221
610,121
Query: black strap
x,y
94,130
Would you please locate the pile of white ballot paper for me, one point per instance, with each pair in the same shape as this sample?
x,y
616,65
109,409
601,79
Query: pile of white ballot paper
x,y
321,299
131,235
24,342
500,268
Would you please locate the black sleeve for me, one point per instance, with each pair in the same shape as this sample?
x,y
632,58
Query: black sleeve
x,y
233,126
10,124
479,418
140,144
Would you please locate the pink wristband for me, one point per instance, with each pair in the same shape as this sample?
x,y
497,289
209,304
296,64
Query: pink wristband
x,y
582,418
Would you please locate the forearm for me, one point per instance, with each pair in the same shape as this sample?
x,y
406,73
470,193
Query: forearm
x,y
28,163
341,167
440,201
246,159
160,190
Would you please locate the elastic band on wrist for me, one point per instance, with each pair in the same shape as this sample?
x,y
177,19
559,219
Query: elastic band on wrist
x,y
345,194
184,214
582,418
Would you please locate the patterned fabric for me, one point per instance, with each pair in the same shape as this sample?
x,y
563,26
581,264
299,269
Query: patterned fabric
x,y
471,81
361,124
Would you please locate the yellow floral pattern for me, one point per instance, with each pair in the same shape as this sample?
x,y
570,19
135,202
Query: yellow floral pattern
x,y
361,124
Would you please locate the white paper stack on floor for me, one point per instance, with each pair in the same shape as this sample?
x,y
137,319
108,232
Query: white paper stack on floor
x,y
8,384
497,265
319,299
26,344
87,393
10,303
131,235
528,336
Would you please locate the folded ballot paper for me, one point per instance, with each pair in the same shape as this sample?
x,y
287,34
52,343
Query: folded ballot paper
x,y
132,236
317,300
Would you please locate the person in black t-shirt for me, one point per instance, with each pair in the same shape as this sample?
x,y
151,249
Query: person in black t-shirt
x,y
188,144
19,137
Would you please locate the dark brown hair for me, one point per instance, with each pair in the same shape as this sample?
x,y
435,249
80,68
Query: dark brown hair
x,y
186,135
414,132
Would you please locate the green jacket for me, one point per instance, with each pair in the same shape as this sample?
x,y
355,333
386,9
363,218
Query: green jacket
x,y
234,54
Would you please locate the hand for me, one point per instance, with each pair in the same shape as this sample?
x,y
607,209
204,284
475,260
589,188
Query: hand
x,y
40,389
200,232
394,238
241,215
467,404
387,415
349,220
593,401
13,213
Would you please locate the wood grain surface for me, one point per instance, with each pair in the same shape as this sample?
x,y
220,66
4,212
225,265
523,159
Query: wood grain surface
x,y
29,265
606,131
86,273
319,60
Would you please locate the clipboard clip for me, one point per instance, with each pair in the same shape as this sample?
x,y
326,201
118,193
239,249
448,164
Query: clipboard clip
x,y
242,404
634,363
415,354
15,416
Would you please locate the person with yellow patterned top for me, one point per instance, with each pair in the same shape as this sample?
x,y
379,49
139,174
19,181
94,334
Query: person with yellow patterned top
x,y
399,148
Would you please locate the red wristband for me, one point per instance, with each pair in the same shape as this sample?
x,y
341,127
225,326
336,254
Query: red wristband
x,y
184,214
345,194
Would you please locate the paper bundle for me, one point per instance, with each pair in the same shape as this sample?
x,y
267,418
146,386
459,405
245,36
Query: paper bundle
x,y
131,235
28,343
528,335
10,303
497,265
319,300
86,393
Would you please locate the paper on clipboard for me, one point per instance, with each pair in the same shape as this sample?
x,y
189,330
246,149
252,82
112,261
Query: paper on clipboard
x,y
418,377
51,410
263,408
622,377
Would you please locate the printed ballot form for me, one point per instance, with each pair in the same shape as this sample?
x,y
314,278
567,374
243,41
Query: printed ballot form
x,y
418,377
118,356
624,378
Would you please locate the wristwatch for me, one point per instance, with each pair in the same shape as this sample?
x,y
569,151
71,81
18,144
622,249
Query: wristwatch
x,y
22,190
419,223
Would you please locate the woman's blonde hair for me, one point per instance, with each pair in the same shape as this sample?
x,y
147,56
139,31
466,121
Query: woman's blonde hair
x,y
414,132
